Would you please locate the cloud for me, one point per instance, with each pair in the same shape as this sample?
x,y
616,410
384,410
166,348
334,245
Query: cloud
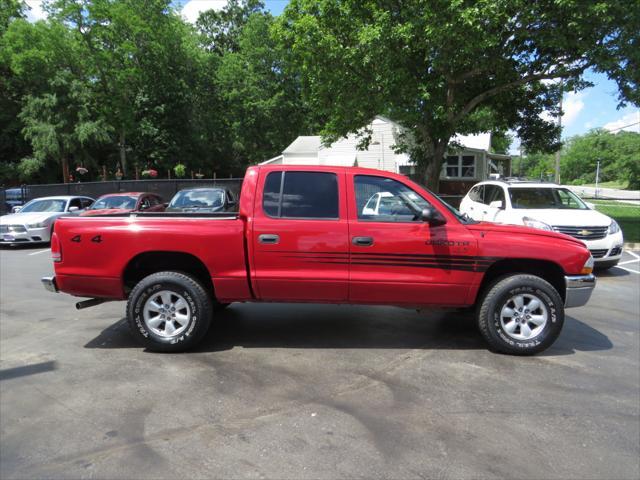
x,y
35,11
626,122
192,8
572,105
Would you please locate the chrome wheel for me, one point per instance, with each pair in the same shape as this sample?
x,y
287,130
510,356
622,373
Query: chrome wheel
x,y
166,313
524,316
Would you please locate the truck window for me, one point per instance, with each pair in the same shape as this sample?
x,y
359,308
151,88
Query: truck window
x,y
302,195
397,202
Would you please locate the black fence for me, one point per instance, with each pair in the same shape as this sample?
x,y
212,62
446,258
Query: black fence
x,y
165,188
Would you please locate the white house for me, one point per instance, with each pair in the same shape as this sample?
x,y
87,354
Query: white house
x,y
469,165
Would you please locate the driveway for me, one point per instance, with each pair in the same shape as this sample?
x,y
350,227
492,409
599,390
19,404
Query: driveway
x,y
308,391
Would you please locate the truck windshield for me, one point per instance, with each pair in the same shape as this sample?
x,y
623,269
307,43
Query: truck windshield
x,y
545,198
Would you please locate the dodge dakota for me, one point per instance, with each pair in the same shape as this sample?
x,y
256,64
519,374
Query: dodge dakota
x,y
321,234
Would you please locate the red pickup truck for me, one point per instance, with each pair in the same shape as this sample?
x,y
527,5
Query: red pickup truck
x,y
322,235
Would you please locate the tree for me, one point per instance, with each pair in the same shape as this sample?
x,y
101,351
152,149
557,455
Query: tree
x,y
262,98
617,153
220,29
440,67
60,124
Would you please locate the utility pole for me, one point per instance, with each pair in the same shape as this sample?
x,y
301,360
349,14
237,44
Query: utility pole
x,y
557,169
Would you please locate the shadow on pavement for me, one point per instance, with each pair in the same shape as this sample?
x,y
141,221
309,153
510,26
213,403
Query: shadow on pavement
x,y
25,370
331,327
611,272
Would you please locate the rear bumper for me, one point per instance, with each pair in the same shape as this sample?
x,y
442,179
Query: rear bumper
x,y
49,283
579,289
85,286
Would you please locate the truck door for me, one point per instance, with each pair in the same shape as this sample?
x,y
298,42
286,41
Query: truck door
x,y
397,258
300,236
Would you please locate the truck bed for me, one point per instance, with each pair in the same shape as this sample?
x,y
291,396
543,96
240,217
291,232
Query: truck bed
x,y
98,251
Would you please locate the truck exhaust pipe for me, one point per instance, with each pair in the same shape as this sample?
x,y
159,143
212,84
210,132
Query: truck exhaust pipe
x,y
92,302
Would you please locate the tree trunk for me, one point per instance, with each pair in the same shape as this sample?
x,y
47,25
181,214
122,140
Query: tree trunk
x,y
123,153
65,169
430,165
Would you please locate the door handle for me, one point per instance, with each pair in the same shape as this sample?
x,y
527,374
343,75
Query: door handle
x,y
362,241
269,239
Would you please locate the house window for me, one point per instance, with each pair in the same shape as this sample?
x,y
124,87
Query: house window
x,y
459,166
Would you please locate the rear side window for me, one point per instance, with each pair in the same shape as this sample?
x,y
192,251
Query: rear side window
x,y
301,195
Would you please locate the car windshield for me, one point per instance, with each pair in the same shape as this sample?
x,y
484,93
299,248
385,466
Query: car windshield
x,y
198,199
115,201
44,206
545,198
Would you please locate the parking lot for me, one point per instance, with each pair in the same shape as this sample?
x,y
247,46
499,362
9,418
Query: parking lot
x,y
313,391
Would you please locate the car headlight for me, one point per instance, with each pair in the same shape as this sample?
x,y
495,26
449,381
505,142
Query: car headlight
x,y
614,227
533,223
36,225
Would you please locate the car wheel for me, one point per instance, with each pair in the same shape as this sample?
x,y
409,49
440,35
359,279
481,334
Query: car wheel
x,y
521,315
169,311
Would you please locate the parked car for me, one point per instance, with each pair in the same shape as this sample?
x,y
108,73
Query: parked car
x,y
125,203
202,200
34,222
546,206
304,234
13,199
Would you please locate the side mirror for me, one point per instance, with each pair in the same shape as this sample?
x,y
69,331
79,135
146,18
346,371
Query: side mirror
x,y
16,209
73,209
432,216
496,204
590,205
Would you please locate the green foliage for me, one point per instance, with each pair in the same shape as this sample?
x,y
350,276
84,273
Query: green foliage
x,y
180,170
627,216
440,67
619,156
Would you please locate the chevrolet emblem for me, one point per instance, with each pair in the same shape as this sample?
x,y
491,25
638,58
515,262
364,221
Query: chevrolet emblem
x,y
585,232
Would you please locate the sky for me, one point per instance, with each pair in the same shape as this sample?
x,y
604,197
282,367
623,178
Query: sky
x,y
594,107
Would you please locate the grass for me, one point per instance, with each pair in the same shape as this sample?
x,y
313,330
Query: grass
x,y
626,214
612,184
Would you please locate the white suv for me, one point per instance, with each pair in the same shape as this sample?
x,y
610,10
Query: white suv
x,y
549,207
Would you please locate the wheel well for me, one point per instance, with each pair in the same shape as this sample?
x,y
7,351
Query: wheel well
x,y
145,264
549,271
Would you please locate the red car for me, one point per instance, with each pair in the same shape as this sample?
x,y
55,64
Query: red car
x,y
309,234
124,203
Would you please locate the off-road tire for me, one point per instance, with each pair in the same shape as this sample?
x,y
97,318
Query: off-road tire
x,y
495,297
197,298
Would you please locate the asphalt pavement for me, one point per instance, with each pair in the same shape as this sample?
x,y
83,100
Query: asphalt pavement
x,y
313,392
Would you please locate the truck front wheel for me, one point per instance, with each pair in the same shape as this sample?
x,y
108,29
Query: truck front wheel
x,y
520,315
169,311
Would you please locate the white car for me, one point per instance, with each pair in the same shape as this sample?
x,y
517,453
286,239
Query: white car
x,y
34,222
549,207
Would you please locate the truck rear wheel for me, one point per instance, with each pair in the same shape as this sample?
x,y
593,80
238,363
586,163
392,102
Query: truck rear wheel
x,y
521,315
169,311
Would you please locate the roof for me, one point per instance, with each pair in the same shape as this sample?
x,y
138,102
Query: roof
x,y
309,144
122,194
480,141
520,183
62,197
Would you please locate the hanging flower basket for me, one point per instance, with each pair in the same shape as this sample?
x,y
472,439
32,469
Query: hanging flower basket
x,y
81,170
150,173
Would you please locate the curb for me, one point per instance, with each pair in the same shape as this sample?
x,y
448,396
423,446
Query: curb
x,y
631,246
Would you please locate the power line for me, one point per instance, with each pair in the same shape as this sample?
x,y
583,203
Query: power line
x,y
620,128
